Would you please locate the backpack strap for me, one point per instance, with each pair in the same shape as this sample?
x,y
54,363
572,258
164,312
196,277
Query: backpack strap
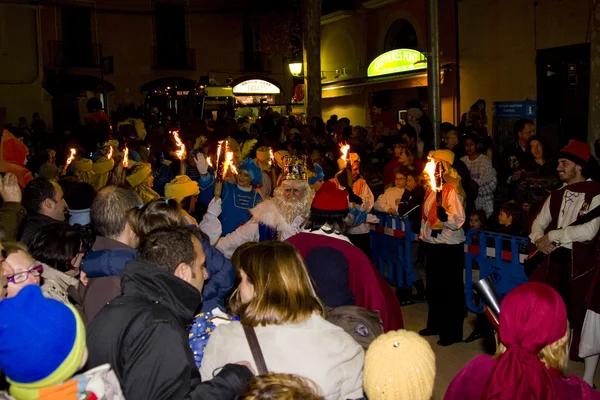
x,y
257,354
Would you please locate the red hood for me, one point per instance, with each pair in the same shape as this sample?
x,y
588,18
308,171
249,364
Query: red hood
x,y
12,150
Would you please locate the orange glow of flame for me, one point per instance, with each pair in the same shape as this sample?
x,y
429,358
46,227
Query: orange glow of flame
x,y
125,157
430,171
209,162
71,157
181,152
229,164
272,160
110,153
345,152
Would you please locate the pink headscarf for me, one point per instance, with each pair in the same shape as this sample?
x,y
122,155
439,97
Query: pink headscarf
x,y
532,316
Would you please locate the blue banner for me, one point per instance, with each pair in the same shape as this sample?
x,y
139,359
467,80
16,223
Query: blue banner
x,y
515,109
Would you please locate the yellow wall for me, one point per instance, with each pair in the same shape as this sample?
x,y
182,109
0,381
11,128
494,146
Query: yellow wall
x,y
353,107
498,43
21,90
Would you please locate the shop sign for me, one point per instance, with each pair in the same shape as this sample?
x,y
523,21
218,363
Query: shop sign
x,y
515,109
400,60
255,86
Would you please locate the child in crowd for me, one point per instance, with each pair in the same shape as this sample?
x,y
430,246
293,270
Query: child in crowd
x,y
511,219
477,220
389,201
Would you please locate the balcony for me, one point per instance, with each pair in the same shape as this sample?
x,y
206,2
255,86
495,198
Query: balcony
x,y
255,62
174,58
75,55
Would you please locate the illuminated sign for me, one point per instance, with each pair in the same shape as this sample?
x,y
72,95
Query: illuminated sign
x,y
256,86
400,60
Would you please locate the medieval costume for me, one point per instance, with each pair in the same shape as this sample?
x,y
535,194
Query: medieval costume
x,y
141,180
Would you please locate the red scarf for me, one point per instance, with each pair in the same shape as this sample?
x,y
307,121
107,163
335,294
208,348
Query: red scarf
x,y
431,216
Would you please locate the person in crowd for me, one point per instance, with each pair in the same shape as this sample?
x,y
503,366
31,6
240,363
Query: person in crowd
x,y
277,301
184,191
477,116
328,270
44,368
263,160
477,220
141,180
510,219
160,294
79,196
444,238
390,201
102,168
163,172
515,154
453,142
393,164
61,248
532,355
572,246
24,269
113,247
49,171
482,172
167,213
362,199
44,202
326,226
274,219
537,176
281,387
84,171
11,210
13,157
316,176
237,198
399,365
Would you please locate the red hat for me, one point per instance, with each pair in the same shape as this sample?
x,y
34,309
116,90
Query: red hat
x,y
576,151
329,200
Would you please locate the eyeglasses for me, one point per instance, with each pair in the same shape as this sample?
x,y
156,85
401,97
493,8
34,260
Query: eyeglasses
x,y
21,277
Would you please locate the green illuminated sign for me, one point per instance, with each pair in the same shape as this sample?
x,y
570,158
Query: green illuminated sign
x,y
400,60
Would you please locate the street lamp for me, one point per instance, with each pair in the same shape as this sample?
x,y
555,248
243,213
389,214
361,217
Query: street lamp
x,y
296,67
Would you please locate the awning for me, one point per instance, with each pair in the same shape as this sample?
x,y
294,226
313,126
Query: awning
x,y
358,86
255,85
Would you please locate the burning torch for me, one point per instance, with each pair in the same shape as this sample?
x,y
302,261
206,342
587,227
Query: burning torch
x,y
110,152
70,159
180,153
346,156
434,171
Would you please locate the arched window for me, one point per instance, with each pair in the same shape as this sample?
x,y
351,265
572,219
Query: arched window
x,y
401,35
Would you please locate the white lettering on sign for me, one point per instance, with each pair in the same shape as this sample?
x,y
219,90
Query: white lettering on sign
x,y
255,86
399,60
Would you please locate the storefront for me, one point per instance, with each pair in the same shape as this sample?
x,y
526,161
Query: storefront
x,y
253,94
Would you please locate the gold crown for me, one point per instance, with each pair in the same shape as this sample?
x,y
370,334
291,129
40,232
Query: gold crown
x,y
294,168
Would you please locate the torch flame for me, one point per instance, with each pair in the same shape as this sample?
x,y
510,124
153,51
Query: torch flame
x,y
110,153
430,169
345,152
219,152
229,164
209,162
125,157
181,152
272,159
71,157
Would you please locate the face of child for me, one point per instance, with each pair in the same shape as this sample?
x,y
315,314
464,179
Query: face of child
x,y
411,183
504,219
474,222
400,181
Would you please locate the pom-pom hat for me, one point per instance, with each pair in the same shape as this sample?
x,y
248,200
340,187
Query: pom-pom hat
x,y
330,201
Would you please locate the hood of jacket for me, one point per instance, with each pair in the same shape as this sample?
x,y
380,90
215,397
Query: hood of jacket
x,y
12,150
108,262
161,287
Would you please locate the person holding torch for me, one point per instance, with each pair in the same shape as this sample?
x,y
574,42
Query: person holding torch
x,y
443,214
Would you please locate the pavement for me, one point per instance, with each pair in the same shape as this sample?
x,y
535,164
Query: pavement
x,y
450,360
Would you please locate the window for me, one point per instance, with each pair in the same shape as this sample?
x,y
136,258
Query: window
x,y
171,49
401,35
77,47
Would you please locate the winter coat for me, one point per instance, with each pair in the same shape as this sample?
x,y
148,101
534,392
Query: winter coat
x,y
104,265
313,348
142,335
221,277
13,156
32,225
363,325
55,284
11,216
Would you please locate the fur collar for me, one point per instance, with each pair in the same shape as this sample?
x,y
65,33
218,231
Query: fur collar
x,y
268,213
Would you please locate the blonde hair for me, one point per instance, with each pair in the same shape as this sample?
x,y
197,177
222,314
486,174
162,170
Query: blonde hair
x,y
158,213
283,292
280,387
554,355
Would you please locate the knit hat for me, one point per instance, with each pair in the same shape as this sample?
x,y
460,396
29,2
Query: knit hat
x,y
181,187
353,158
141,171
399,365
263,157
54,352
330,201
415,113
48,171
576,151
253,169
443,155
279,154
83,165
317,175
328,269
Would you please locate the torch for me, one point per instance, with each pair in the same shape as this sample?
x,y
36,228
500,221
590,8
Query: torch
x,y
70,159
180,153
434,172
272,163
125,157
346,156
110,152
218,172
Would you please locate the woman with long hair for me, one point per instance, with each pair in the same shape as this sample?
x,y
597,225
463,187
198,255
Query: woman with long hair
x,y
276,299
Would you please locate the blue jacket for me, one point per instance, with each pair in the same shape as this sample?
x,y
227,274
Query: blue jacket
x,y
221,277
99,263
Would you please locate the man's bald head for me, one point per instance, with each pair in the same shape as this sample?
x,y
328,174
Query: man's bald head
x,y
109,210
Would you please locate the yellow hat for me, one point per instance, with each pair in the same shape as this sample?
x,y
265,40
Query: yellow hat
x,y
399,365
443,155
279,157
103,165
83,165
141,171
263,156
181,187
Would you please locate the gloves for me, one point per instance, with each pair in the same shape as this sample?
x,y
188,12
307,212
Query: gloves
x,y
354,198
372,219
441,214
201,164
214,207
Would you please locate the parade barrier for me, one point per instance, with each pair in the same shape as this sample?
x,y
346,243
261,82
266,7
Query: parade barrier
x,y
498,256
391,246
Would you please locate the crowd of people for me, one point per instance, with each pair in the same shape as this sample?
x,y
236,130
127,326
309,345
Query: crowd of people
x,y
145,257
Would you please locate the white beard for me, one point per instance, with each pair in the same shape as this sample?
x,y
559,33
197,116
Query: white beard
x,y
290,209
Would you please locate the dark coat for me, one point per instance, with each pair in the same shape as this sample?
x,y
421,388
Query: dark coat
x,y
11,215
31,226
142,335
221,277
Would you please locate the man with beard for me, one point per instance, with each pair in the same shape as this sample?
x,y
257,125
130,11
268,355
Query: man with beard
x,y
274,219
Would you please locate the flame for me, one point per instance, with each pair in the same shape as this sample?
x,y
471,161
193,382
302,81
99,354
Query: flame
x,y
345,152
125,157
181,152
71,157
110,152
209,162
272,160
229,163
430,169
